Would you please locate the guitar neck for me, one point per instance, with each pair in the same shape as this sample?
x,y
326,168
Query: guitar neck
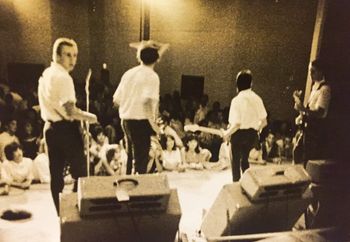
x,y
210,130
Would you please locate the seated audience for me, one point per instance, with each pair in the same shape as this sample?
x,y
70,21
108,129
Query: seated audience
x,y
193,156
8,136
116,158
28,139
98,150
155,155
171,155
17,171
270,149
41,170
225,155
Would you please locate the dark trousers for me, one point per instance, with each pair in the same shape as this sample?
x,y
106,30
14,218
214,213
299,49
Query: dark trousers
x,y
138,143
65,146
316,140
242,141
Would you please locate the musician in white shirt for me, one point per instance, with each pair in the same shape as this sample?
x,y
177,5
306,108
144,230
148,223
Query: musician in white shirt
x,y
58,109
137,98
247,117
315,113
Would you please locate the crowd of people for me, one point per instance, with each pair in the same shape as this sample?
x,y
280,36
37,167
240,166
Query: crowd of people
x,y
45,137
173,149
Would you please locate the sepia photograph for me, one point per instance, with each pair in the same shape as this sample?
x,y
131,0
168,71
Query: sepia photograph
x,y
174,120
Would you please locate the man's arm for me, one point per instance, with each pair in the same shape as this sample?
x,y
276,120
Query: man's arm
x,y
262,124
231,130
75,113
151,107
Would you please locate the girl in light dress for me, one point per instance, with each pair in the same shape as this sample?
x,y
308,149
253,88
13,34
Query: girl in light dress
x,y
171,155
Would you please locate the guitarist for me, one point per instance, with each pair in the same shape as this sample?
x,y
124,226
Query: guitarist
x,y
313,115
247,117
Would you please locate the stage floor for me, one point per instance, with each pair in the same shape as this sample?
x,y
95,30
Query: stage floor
x,y
197,190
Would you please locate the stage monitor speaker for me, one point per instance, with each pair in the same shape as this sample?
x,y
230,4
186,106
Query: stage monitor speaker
x,y
23,77
122,194
127,227
322,171
275,181
192,86
232,213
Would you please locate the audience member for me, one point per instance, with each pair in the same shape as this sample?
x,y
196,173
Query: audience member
x,y
270,150
193,155
17,171
8,136
171,155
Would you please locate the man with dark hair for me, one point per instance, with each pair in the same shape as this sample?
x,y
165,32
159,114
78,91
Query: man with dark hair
x,y
8,136
61,115
247,117
137,97
17,170
314,114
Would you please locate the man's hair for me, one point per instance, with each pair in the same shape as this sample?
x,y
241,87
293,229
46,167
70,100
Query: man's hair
x,y
244,80
59,43
149,55
98,129
319,65
10,150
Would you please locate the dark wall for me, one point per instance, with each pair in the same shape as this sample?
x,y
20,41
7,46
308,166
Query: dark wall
x,y
217,38
25,33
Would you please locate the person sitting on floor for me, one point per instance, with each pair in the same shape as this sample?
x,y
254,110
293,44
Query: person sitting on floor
x,y
270,149
98,150
17,171
171,155
116,158
193,156
41,170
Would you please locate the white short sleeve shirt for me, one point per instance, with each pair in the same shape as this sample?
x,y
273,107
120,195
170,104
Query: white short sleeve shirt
x,y
56,87
247,109
137,85
320,97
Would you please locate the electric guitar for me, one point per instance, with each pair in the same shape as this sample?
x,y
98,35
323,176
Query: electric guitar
x,y
196,127
299,138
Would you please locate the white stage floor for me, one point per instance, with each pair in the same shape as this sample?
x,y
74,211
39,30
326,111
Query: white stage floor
x,y
197,190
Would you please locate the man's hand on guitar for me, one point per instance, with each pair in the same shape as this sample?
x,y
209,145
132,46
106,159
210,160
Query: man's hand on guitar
x,y
297,100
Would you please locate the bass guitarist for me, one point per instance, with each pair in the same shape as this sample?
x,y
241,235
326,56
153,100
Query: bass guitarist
x,y
313,115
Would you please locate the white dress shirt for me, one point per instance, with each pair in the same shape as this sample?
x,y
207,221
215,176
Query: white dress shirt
x,y
247,110
320,97
136,86
55,88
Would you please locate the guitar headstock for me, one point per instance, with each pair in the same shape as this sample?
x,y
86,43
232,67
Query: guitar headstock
x,y
191,127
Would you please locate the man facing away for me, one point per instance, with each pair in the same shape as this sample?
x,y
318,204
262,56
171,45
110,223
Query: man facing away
x,y
57,102
137,97
247,117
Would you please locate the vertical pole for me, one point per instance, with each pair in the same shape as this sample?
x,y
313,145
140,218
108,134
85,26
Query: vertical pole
x,y
145,23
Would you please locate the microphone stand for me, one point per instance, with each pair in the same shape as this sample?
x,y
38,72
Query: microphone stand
x,y
87,124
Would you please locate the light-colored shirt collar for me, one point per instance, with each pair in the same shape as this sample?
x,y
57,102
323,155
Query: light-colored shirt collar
x,y
245,91
58,66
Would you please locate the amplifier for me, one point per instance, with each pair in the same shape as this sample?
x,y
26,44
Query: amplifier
x,y
122,194
275,181
126,227
322,171
232,213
